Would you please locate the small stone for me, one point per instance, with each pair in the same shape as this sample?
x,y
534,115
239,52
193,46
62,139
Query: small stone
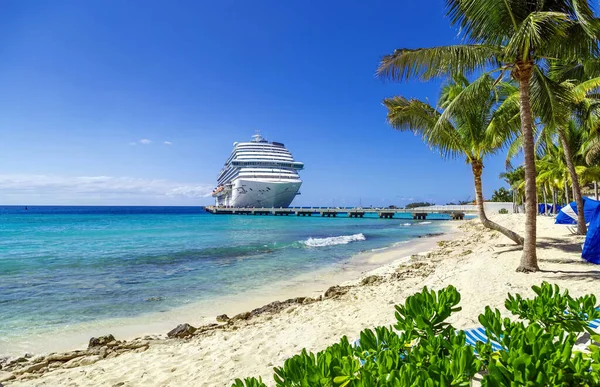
x,y
241,316
17,361
372,279
98,351
65,356
336,291
33,367
82,361
100,341
222,318
182,330
118,384
5,376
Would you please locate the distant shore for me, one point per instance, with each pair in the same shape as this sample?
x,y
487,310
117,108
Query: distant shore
x,y
479,262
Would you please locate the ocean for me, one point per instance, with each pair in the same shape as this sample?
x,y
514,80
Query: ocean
x,y
64,267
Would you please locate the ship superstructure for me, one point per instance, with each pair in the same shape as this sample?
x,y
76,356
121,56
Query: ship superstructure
x,y
258,173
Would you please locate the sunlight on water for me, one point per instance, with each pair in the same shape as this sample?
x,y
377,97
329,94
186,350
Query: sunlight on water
x,y
67,265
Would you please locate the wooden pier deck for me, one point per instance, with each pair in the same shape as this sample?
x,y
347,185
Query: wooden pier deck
x,y
455,212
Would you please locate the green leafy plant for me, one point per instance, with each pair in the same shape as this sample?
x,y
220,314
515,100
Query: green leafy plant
x,y
538,350
249,382
423,349
503,211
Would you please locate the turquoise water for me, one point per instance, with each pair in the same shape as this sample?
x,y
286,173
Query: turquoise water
x,y
66,265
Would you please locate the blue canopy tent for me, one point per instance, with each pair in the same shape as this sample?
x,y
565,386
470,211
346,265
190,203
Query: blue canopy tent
x,y
591,247
544,208
568,214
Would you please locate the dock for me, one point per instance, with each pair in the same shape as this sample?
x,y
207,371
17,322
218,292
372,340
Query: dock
x,y
419,213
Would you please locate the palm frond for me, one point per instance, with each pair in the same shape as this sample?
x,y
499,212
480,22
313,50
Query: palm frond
x,y
585,88
549,98
535,31
428,63
422,119
484,20
513,150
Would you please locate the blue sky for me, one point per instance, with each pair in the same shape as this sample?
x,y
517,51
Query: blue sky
x,y
139,102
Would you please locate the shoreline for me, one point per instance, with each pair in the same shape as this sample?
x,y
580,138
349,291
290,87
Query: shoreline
x,y
204,312
480,263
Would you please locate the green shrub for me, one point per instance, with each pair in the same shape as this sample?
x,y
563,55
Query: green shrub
x,y
503,211
423,349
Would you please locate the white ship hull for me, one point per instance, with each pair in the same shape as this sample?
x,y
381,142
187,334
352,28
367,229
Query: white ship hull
x,y
260,193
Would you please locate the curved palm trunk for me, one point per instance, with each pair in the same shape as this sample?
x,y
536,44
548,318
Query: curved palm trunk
x,y
545,200
581,227
477,167
522,73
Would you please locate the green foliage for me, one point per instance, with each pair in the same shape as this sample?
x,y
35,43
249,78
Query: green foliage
x,y
538,349
553,310
418,204
249,382
423,349
503,211
502,195
424,314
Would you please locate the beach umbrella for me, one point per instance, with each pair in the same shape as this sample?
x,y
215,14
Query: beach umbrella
x,y
568,214
591,247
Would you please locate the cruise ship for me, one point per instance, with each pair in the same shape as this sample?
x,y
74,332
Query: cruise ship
x,y
258,173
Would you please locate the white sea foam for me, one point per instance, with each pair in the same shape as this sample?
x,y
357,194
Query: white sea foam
x,y
425,223
406,224
331,241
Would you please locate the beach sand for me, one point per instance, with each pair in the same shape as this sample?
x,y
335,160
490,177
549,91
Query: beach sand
x,y
479,263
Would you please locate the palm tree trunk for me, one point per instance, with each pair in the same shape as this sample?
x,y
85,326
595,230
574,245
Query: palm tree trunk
x,y
522,73
555,198
581,227
596,190
477,167
567,193
545,200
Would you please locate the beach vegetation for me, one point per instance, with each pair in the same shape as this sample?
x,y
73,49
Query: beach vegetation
x,y
463,125
501,195
503,211
418,204
513,39
535,348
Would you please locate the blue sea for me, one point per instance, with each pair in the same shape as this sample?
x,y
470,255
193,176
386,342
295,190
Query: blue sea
x,y
64,266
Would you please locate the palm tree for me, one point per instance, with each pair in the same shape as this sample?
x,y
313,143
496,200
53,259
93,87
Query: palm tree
x,y
581,92
509,35
516,179
463,126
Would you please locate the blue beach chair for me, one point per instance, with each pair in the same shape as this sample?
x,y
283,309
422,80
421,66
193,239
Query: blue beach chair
x,y
478,334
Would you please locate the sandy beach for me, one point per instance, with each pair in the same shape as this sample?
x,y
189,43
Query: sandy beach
x,y
480,263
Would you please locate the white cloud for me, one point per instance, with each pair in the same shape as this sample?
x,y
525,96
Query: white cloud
x,y
168,143
145,141
53,189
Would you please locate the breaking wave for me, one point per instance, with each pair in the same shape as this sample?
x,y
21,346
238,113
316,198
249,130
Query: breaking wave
x,y
425,223
331,241
406,224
